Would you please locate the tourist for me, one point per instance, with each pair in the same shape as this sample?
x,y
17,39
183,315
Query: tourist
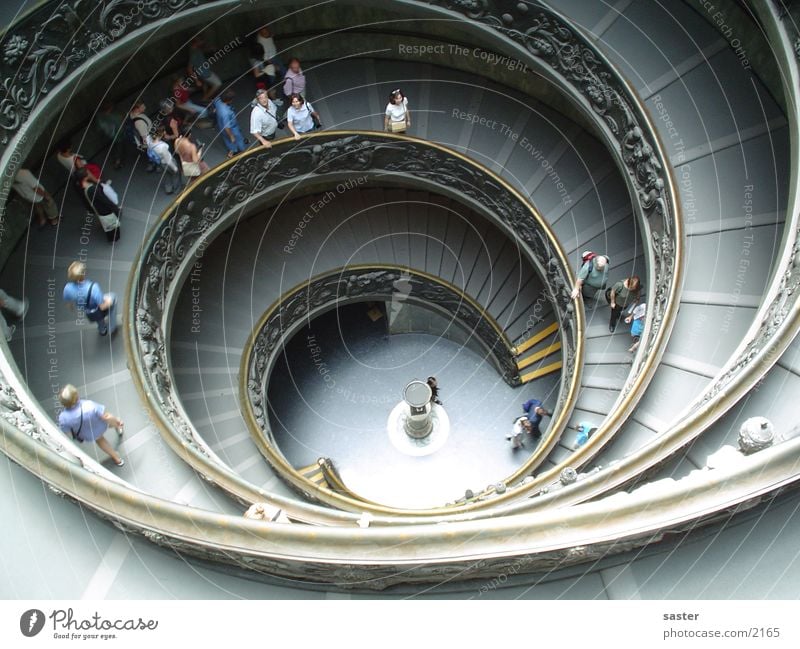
x,y
100,202
636,320
433,384
398,117
109,125
181,99
18,308
620,296
263,118
89,300
521,426
592,276
294,81
227,124
585,432
264,58
199,68
534,412
190,155
87,421
301,116
160,152
31,191
73,161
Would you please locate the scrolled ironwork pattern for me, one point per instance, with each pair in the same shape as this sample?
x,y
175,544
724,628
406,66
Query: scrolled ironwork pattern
x,y
552,41
206,207
350,284
53,41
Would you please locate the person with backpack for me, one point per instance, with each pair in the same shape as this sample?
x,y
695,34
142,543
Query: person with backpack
x,y
87,421
592,276
89,300
138,127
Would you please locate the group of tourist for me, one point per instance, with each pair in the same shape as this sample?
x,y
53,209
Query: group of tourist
x,y
625,296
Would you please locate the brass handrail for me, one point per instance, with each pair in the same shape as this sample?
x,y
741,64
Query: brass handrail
x,y
255,368
182,230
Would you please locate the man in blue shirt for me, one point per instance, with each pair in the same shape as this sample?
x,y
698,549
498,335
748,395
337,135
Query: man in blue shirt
x,y
534,411
227,124
87,421
89,300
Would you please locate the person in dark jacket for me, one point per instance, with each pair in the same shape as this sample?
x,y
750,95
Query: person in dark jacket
x,y
534,411
98,202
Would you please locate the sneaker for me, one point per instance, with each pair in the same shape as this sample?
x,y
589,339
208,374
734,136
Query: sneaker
x,y
11,330
120,463
26,303
103,332
611,329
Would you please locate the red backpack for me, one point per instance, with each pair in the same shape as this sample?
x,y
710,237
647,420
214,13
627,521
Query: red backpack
x,y
588,255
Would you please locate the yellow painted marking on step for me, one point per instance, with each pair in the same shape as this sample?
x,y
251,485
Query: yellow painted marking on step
x,y
536,338
537,356
542,371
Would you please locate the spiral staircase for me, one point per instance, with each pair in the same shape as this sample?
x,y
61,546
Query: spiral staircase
x,y
682,169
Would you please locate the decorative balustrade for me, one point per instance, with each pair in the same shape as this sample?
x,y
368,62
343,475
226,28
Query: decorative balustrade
x,y
254,179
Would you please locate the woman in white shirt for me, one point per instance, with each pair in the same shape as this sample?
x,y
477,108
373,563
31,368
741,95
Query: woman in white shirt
x,y
301,116
398,117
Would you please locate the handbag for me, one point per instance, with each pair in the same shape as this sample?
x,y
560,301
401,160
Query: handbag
x,y
109,222
190,169
96,314
397,127
316,120
269,70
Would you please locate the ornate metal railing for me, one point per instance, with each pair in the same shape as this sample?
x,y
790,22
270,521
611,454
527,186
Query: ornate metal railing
x,y
256,177
373,558
531,542
534,33
297,307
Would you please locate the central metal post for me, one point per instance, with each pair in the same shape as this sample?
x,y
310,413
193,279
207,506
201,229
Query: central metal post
x,y
418,421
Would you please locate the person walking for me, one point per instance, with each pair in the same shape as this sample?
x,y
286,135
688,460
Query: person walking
x,y
433,384
227,125
87,421
99,202
521,426
398,117
301,116
534,411
190,155
620,296
593,275
636,320
31,191
88,298
294,81
18,308
199,68
160,151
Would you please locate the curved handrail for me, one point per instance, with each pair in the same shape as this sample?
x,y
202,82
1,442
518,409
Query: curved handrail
x,y
369,557
209,205
585,74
